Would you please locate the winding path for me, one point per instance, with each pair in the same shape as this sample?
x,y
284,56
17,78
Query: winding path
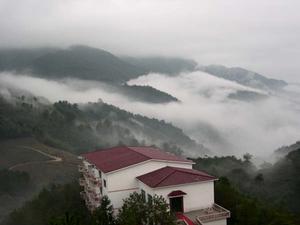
x,y
53,159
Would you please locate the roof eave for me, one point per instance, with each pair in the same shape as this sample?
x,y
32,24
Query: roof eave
x,y
179,185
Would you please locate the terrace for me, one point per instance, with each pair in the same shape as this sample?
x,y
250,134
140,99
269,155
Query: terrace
x,y
213,213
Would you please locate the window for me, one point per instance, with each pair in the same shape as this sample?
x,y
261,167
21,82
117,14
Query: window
x,y
104,183
143,195
101,191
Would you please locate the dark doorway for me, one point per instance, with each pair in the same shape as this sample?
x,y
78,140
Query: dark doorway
x,y
176,204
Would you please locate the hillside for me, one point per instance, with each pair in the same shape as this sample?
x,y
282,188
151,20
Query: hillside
x,y
77,62
244,77
285,150
85,127
83,63
166,65
27,166
277,184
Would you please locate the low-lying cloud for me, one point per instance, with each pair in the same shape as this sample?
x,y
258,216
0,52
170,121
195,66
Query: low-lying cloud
x,y
204,112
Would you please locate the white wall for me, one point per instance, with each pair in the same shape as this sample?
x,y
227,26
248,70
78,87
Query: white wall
x,y
117,197
217,222
123,182
126,178
198,195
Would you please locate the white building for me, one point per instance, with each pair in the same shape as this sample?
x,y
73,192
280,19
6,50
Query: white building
x,y
119,171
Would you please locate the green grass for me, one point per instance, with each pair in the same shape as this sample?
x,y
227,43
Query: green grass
x,y
42,172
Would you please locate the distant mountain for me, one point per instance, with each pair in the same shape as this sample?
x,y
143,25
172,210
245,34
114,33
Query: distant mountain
x,y
166,65
244,77
85,63
77,62
21,59
82,62
248,96
145,94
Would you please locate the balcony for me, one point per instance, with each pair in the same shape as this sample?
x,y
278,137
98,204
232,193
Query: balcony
x,y
95,179
82,181
81,168
213,213
88,189
97,200
95,195
83,194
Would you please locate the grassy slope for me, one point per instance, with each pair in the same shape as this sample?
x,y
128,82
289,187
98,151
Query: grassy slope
x,y
41,171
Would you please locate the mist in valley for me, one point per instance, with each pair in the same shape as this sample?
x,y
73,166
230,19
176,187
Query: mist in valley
x,y
205,110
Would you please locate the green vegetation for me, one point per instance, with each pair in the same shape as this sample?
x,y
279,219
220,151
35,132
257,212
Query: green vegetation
x,y
146,94
62,205
25,171
246,210
86,127
136,211
277,184
49,205
77,61
12,182
82,62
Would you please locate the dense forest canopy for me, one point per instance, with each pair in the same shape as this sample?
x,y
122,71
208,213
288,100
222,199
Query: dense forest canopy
x,y
85,127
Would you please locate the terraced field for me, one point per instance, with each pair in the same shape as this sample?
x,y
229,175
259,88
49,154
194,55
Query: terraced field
x,y
44,164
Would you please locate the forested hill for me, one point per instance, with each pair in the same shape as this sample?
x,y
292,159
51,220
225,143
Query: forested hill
x,y
77,62
79,128
278,184
83,63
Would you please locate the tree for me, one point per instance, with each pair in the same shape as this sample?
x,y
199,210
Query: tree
x,y
158,212
104,213
247,157
259,179
133,211
66,220
136,211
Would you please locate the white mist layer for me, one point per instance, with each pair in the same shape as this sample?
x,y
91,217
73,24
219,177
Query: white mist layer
x,y
204,112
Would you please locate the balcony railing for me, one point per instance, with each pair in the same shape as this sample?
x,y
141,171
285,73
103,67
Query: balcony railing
x,y
83,194
82,181
81,168
213,213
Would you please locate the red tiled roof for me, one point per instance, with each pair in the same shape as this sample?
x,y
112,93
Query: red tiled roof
x,y
169,176
108,160
176,193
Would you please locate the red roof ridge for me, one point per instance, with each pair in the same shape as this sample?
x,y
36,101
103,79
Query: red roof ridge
x,y
115,158
168,175
103,149
134,148
164,178
195,172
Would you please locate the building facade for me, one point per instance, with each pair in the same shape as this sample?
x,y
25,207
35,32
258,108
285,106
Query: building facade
x,y
118,172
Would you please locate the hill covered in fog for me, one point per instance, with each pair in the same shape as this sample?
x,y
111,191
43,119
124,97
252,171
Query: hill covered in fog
x,y
244,77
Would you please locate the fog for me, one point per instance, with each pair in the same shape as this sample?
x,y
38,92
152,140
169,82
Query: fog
x,y
204,112
260,35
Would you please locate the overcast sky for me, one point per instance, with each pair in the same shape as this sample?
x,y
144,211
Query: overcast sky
x,y
261,35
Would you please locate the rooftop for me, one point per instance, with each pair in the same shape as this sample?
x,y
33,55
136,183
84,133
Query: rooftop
x,y
168,176
108,160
